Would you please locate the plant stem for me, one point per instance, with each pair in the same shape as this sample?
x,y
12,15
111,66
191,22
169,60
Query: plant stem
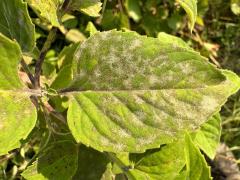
x,y
65,6
27,70
38,67
120,164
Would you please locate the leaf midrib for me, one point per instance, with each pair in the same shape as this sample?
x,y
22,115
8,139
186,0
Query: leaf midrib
x,y
73,91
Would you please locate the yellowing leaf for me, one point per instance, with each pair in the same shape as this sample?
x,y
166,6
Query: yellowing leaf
x,y
47,9
17,113
89,7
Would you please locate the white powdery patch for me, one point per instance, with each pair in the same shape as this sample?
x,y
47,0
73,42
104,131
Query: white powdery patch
x,y
123,133
139,60
119,71
153,80
154,96
141,115
136,121
147,140
120,146
78,54
138,100
104,141
81,74
160,116
185,68
127,83
175,46
104,35
135,44
105,100
160,58
209,103
97,73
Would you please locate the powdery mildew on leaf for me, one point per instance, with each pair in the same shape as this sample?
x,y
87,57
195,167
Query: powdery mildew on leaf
x,y
17,113
151,89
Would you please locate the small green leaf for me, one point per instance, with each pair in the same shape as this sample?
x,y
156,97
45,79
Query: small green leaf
x,y
208,136
89,7
197,167
15,23
131,93
74,35
167,38
163,163
91,28
17,113
47,9
64,76
133,9
91,164
190,6
58,161
235,6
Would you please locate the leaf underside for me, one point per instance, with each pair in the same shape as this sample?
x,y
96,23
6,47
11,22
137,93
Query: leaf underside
x,y
132,93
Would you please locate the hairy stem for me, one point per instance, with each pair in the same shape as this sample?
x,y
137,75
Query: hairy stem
x,y
38,67
27,70
120,164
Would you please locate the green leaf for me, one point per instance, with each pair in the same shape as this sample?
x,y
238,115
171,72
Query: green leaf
x,y
190,6
167,38
208,136
91,164
17,113
89,7
64,76
136,93
235,6
58,161
47,9
91,28
197,167
163,163
15,23
133,9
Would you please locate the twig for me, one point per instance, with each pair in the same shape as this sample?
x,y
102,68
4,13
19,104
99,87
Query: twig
x,y
65,6
104,7
57,115
7,157
40,60
27,70
120,164
51,37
